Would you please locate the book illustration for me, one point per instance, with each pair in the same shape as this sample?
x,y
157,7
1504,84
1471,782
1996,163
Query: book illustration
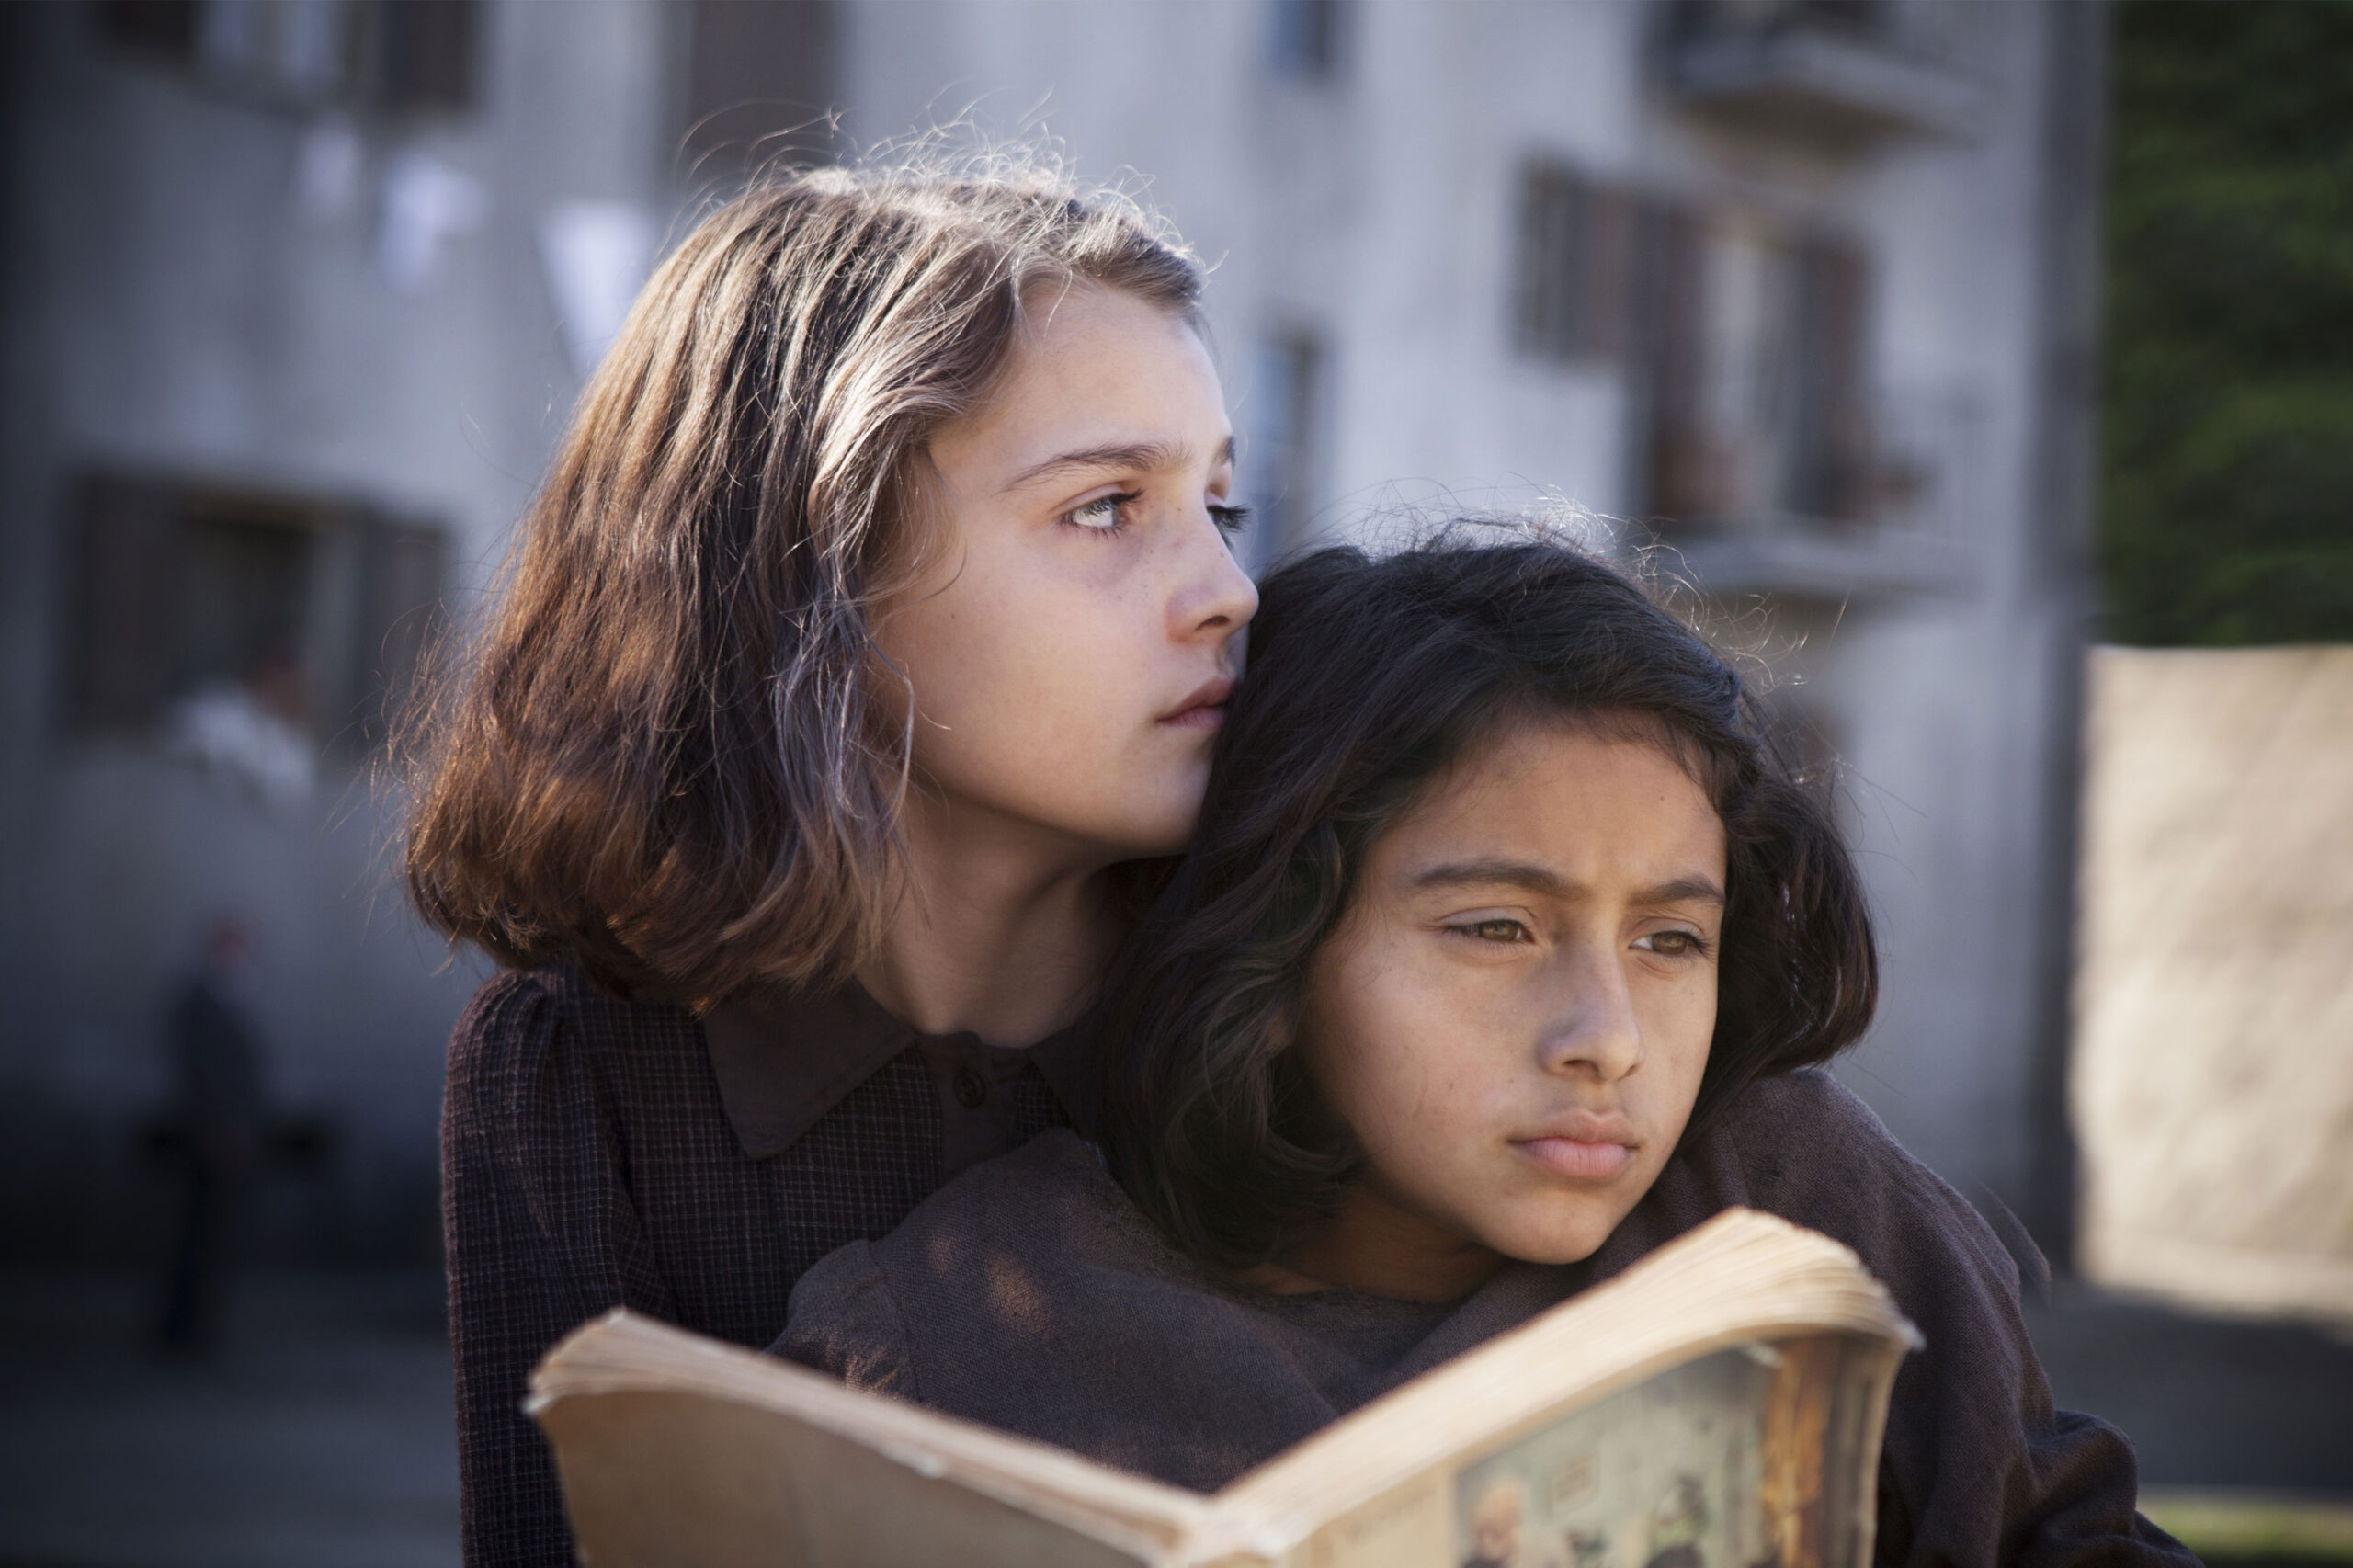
x,y
1717,1464
1667,1475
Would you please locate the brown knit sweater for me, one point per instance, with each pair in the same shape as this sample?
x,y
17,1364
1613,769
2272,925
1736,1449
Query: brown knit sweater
x,y
1029,1294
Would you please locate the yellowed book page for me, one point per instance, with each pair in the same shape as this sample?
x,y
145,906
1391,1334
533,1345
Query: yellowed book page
x,y
677,1481
671,1386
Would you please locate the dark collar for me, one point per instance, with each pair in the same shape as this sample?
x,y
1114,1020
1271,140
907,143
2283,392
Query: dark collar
x,y
784,1058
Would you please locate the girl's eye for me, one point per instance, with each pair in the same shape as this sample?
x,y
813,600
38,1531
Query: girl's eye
x,y
1230,520
1675,944
1497,930
1102,513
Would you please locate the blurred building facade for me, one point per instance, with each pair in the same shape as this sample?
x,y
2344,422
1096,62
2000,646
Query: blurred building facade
x,y
298,293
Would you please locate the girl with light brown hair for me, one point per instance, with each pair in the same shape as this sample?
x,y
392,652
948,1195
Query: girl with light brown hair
x,y
856,673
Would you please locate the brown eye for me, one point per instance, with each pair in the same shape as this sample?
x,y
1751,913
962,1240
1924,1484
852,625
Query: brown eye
x,y
1674,943
1494,931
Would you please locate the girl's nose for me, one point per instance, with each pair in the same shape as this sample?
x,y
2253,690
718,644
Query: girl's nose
x,y
1214,594
1594,1032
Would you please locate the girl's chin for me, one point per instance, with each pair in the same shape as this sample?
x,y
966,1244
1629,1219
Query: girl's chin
x,y
1553,1226
1556,1243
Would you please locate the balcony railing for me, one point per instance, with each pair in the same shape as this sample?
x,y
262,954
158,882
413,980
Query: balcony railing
x,y
1902,519
1834,71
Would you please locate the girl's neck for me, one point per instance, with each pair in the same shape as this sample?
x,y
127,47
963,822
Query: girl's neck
x,y
1002,931
1382,1247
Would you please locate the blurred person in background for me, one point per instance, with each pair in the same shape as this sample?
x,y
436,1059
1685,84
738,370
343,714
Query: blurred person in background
x,y
217,1129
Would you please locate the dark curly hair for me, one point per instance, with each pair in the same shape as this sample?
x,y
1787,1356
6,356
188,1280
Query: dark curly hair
x,y
1367,678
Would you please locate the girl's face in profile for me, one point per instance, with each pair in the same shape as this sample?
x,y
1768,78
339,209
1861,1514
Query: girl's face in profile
x,y
1515,1013
1069,641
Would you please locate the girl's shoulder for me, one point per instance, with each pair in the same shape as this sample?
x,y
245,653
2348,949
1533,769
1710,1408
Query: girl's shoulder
x,y
1805,1126
1033,1213
525,1030
1019,1262
1803,1146
1810,1092
527,1009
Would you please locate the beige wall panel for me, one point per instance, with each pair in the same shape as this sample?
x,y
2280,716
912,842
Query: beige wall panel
x,y
2212,1077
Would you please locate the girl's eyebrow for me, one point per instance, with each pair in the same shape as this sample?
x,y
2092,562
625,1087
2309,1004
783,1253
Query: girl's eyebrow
x,y
1683,889
1116,454
1551,884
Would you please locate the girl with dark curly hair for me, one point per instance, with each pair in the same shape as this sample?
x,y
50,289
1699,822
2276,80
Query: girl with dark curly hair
x,y
1508,947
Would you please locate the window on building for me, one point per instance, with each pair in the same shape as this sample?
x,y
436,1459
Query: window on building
x,y
1281,463
376,56
423,54
1829,435
1306,37
319,609
1683,472
162,30
1858,17
1750,370
1571,294
759,84
243,595
1853,15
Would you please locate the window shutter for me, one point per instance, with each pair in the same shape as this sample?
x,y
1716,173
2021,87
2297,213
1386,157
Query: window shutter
x,y
1543,323
1833,436
158,29
425,53
403,567
760,81
1606,272
121,632
1669,259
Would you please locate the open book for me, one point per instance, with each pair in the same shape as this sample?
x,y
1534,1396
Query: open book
x,y
1718,1406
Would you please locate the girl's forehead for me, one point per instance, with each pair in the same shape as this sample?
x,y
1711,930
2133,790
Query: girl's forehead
x,y
1558,797
1082,317
1538,753
1106,376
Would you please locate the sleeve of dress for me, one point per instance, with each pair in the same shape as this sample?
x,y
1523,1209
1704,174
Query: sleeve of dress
x,y
844,1321
541,1235
1978,1467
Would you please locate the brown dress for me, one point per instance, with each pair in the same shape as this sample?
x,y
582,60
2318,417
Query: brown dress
x,y
599,1154
1029,1294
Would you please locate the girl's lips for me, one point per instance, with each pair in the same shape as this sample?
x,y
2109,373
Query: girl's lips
x,y
1203,708
1576,1158
1207,716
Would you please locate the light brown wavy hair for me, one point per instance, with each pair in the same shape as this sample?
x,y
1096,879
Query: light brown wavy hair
x,y
672,753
